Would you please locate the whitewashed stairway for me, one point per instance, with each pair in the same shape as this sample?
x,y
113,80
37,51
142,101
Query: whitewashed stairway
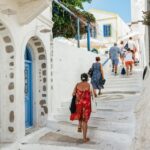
x,y
110,128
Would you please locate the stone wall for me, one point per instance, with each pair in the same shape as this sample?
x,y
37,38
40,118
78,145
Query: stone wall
x,y
142,137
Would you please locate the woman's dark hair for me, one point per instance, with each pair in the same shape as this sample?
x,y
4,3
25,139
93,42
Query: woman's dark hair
x,y
121,42
97,58
84,77
129,49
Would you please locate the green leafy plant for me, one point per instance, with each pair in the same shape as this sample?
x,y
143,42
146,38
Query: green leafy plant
x,y
65,25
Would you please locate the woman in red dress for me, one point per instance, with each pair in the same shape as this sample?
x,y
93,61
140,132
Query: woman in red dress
x,y
83,105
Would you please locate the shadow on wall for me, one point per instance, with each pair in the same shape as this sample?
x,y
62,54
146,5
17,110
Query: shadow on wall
x,y
145,71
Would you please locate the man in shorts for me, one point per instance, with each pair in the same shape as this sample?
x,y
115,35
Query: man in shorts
x,y
114,54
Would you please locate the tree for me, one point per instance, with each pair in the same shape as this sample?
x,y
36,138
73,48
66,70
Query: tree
x,y
65,24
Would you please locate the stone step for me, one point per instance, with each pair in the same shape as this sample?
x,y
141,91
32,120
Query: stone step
x,y
115,127
61,136
106,104
106,114
123,77
110,140
124,89
121,84
97,120
49,147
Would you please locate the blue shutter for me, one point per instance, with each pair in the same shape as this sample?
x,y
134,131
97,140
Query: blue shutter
x,y
107,30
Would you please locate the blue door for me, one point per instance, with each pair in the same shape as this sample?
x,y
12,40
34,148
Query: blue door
x,y
28,90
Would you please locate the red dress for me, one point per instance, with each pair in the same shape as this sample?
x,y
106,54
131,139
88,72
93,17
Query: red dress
x,y
83,106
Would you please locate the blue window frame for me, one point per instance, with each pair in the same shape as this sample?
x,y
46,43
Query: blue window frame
x,y
107,30
28,88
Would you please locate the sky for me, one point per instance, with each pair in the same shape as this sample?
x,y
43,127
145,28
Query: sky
x,y
121,7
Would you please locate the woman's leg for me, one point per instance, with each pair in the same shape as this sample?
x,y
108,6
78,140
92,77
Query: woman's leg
x,y
127,68
84,125
94,91
80,126
99,93
130,67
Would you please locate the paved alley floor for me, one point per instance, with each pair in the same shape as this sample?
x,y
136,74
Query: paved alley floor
x,y
110,128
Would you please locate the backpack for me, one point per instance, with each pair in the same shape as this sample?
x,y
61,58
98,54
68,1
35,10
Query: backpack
x,y
123,71
126,46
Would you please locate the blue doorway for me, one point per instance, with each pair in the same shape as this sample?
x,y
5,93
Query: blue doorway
x,y
28,89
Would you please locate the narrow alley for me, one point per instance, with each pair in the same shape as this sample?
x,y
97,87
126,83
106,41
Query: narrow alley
x,y
111,127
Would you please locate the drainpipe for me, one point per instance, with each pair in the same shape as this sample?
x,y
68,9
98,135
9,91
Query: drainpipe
x,y
88,36
78,22
78,32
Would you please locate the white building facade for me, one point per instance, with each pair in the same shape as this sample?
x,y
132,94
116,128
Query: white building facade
x,y
137,8
142,109
110,27
26,65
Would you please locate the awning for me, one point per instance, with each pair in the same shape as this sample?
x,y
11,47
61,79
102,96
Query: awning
x,y
134,35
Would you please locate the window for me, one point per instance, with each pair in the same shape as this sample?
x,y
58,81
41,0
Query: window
x,y
107,30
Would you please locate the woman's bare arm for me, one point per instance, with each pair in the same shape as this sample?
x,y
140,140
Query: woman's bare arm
x,y
74,91
102,72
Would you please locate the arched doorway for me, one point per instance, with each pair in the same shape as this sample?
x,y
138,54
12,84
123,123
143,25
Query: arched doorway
x,y
35,84
28,88
8,86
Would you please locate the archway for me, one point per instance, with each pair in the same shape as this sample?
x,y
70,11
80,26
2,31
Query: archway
x,y
8,84
28,88
35,87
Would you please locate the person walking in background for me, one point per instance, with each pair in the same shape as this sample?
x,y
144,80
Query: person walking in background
x,y
114,54
97,76
83,92
132,47
123,50
128,61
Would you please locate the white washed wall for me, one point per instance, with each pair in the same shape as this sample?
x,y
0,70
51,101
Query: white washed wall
x,y
142,136
20,36
69,63
142,139
123,28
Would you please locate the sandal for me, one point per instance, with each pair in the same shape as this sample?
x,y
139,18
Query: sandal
x,y
79,129
86,140
99,93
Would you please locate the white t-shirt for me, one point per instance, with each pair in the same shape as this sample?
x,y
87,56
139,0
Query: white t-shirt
x,y
131,44
128,56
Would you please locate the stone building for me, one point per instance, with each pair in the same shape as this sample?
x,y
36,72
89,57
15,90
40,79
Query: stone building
x,y
25,65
